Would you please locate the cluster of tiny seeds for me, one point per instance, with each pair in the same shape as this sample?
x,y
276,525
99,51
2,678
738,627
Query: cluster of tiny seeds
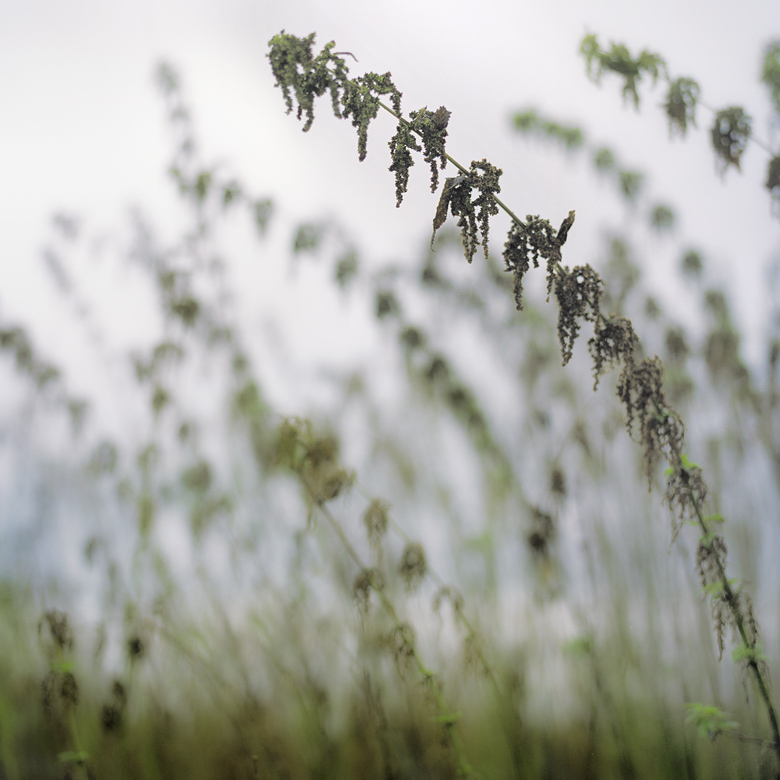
x,y
579,293
614,340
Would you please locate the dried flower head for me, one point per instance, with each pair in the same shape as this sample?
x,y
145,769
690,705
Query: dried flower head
x,y
59,629
692,263
386,304
681,105
431,128
297,71
401,641
313,458
365,581
451,594
441,117
730,133
360,101
676,344
579,294
686,492
614,341
376,520
773,182
661,432
558,481
59,693
301,75
110,718
527,242
541,534
474,215
710,564
402,160
411,338
413,566
135,649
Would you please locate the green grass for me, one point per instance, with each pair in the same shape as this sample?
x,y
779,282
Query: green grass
x,y
204,713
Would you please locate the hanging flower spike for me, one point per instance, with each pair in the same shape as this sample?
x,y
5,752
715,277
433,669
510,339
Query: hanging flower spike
x,y
360,100
431,128
579,293
297,71
474,214
526,243
400,144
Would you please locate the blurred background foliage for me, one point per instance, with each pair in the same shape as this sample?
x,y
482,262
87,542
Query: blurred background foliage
x,y
191,555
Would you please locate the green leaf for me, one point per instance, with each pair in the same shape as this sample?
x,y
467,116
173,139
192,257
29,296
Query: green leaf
x,y
709,720
751,655
687,463
705,540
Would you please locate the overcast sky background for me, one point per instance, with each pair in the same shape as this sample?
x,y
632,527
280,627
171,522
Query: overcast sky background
x,y
83,128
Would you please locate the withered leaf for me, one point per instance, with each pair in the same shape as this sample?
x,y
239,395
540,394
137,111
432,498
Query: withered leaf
x,y
444,202
563,231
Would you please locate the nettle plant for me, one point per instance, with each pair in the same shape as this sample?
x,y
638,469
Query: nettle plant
x,y
471,196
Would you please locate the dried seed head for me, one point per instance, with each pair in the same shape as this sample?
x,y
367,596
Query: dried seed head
x,y
557,481
135,649
441,117
70,689
59,628
730,134
542,533
448,593
376,520
401,641
48,692
119,692
110,718
365,581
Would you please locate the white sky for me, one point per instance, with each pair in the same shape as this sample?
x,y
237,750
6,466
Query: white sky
x,y
82,125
